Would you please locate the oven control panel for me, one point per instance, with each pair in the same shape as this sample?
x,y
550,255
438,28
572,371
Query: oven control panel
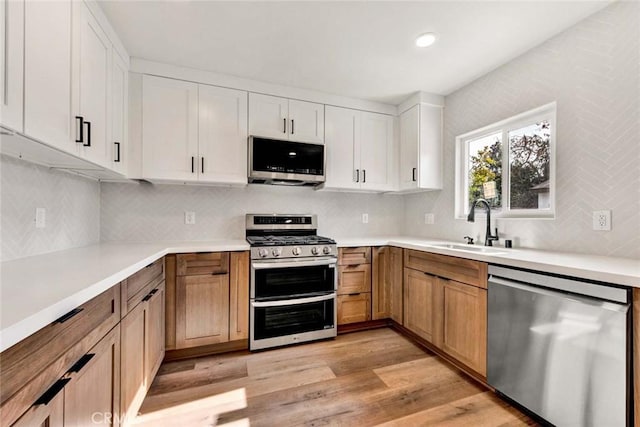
x,y
293,251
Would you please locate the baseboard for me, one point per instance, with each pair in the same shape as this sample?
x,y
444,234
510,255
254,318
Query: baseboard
x,y
363,326
206,350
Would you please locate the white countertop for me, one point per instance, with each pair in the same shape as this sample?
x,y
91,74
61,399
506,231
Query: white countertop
x,y
35,291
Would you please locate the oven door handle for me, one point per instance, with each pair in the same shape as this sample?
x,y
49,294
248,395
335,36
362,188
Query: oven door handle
x,y
331,262
296,301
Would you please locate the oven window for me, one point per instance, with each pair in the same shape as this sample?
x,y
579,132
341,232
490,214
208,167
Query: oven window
x,y
270,322
293,281
287,157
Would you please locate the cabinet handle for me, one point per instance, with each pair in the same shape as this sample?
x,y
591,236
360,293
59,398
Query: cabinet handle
x,y
81,363
80,130
153,292
354,294
117,159
48,395
147,297
193,170
292,127
284,128
364,175
88,143
413,174
202,164
68,316
357,175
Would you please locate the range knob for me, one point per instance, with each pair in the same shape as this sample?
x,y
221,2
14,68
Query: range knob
x,y
276,252
315,250
263,253
296,251
326,250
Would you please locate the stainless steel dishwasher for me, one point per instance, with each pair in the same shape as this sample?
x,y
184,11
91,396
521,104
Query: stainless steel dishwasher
x,y
560,347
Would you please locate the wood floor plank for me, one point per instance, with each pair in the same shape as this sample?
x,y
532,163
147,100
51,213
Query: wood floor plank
x,y
361,379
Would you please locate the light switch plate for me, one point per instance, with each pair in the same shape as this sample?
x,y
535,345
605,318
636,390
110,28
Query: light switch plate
x,y
429,219
189,217
365,218
41,217
602,220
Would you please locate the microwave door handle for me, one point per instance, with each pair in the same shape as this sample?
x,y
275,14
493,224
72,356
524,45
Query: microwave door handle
x,y
270,265
296,301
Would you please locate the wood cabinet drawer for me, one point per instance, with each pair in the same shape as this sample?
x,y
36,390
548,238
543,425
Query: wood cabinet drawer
x,y
454,268
353,256
354,308
354,279
137,286
202,263
31,366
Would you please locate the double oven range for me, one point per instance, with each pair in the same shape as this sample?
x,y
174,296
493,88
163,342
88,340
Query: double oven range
x,y
293,281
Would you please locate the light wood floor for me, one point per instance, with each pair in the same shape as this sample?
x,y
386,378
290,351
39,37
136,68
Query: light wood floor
x,y
361,379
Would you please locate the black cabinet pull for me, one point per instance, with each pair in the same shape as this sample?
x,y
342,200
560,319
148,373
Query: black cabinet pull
x,y
147,297
81,363
357,175
202,166
88,142
354,294
80,130
68,316
292,127
284,128
117,159
193,170
413,174
153,292
364,175
48,395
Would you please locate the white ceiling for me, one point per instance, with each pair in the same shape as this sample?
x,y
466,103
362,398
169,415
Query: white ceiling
x,y
358,49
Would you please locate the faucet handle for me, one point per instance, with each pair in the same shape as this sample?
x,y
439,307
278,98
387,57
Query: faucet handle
x,y
469,240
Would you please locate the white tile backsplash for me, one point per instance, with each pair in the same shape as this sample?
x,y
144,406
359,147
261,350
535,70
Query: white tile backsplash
x,y
72,206
146,212
592,70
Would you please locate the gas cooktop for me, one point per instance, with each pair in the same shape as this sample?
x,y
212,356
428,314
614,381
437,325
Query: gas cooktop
x,y
286,240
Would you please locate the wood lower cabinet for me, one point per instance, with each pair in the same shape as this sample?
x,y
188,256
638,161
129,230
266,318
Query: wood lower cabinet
x,y
354,285
49,415
396,292
387,293
462,312
132,387
354,279
155,333
239,296
91,397
418,303
354,308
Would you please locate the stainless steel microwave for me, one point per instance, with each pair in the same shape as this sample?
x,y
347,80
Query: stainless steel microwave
x,y
274,161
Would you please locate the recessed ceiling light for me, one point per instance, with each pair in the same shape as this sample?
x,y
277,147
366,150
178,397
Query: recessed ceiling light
x,y
425,40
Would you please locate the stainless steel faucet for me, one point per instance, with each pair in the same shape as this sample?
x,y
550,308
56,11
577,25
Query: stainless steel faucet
x,y
489,238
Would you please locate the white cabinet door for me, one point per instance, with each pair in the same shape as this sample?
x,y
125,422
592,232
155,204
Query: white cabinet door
x,y
119,113
222,140
376,152
409,140
430,150
342,136
268,116
169,129
47,73
306,121
92,66
11,63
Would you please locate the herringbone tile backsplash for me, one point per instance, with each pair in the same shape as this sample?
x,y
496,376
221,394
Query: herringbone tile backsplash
x,y
592,70
72,209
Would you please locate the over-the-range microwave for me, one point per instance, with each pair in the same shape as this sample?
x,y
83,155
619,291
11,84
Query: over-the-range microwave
x,y
274,161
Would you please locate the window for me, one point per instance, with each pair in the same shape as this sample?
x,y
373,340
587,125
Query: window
x,y
511,164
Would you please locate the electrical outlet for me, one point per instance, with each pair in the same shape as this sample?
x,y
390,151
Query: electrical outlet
x,y
41,216
189,217
365,218
602,220
429,218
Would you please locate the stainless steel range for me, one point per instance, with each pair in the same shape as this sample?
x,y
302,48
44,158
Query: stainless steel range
x,y
293,281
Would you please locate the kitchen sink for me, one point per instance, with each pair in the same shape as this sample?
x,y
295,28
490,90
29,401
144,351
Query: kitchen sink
x,y
469,248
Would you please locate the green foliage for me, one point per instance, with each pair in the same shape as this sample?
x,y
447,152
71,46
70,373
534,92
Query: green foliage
x,y
486,166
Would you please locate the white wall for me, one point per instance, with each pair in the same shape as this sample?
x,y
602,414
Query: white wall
x,y
146,212
592,70
72,208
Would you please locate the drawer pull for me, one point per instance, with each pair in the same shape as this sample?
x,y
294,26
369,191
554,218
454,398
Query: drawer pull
x,y
153,292
68,316
77,367
48,395
219,273
354,294
147,297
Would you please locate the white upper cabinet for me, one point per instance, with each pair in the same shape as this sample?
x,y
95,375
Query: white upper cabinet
x,y
193,132
421,148
11,63
119,113
47,73
169,129
360,150
282,118
91,78
222,141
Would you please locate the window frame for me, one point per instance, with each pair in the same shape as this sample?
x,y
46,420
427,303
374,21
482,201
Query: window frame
x,y
545,112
